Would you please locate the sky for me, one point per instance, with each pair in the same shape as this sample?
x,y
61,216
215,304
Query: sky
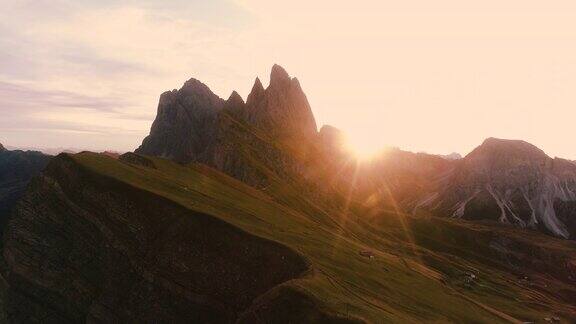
x,y
435,76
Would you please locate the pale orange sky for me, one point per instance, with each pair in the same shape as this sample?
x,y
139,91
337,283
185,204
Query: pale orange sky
x,y
435,76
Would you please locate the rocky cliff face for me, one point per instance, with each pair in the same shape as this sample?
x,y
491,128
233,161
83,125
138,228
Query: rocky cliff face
x,y
190,121
509,181
282,110
185,123
16,170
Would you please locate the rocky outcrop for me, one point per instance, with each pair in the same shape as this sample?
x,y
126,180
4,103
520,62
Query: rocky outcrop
x,y
82,247
16,170
282,110
185,124
194,125
2,149
188,120
256,94
508,181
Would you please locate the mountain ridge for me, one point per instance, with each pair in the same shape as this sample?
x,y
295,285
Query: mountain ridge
x,y
282,105
238,211
511,181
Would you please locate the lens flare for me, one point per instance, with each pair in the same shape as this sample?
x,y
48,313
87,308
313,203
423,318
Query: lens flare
x,y
363,147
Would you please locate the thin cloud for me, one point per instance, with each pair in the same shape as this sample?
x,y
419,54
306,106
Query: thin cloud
x,y
22,99
62,126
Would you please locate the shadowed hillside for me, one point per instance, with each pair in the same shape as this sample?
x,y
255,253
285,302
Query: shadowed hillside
x,y
16,170
194,238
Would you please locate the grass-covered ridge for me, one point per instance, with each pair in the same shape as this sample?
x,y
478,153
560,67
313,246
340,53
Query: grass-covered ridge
x,y
420,268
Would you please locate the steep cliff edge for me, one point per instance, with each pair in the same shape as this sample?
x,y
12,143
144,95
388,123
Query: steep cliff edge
x,y
185,123
85,247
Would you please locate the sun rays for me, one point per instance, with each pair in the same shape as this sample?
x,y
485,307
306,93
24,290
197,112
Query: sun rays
x,y
349,175
363,148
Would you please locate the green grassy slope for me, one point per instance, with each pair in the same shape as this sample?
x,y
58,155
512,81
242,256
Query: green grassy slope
x,y
419,269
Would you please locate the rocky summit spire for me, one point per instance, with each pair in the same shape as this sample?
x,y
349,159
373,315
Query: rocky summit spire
x,y
257,92
282,110
235,101
278,76
193,121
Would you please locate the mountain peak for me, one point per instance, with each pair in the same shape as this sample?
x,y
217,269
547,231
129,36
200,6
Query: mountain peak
x,y
496,146
188,121
2,149
184,123
256,93
235,97
501,141
195,86
278,75
257,85
494,141
235,101
194,83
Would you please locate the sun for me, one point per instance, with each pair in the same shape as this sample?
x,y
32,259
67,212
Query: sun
x,y
363,147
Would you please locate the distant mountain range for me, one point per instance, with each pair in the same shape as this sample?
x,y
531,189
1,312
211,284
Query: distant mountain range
x,y
511,182
236,211
55,150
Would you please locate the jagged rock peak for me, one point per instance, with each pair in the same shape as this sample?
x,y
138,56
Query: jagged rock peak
x,y
167,97
282,109
2,148
184,124
235,97
256,93
194,83
235,101
278,76
257,87
194,86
